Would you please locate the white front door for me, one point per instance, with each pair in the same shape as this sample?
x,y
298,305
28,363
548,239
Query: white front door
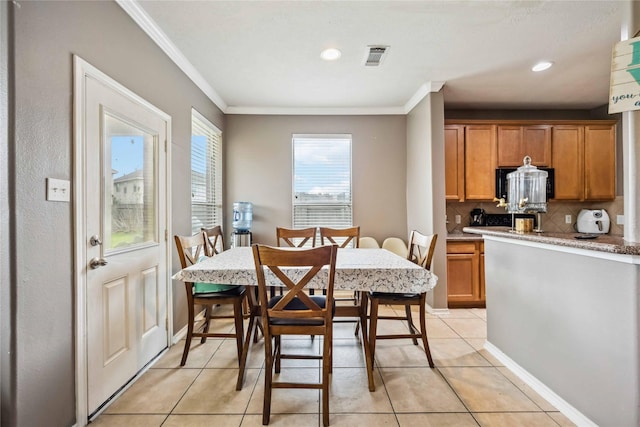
x,y
124,235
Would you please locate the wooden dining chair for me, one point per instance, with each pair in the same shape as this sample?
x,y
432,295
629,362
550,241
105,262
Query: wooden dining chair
x,y
190,250
421,249
250,306
296,238
343,237
215,245
295,313
215,239
348,303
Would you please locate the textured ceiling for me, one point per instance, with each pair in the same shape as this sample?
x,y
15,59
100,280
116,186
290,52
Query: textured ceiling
x,y
263,56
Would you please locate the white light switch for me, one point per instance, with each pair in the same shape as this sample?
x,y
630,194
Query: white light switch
x,y
58,190
458,219
567,219
620,219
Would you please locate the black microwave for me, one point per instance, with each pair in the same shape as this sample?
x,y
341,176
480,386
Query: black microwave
x,y
501,182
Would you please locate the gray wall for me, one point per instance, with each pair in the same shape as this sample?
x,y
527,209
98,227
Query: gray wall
x,y
571,321
46,35
425,184
258,156
6,359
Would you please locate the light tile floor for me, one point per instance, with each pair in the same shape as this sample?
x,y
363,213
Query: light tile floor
x,y
468,387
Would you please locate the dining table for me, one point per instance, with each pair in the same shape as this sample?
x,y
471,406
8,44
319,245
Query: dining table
x,y
357,269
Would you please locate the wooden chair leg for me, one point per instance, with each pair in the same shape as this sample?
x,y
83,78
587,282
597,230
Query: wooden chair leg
x,y
276,352
373,328
239,326
423,328
187,341
245,351
329,357
207,318
256,332
357,300
268,375
412,327
326,369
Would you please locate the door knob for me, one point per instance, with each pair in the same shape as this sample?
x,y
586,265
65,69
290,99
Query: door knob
x,y
97,262
95,240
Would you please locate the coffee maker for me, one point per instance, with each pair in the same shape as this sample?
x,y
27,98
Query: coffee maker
x,y
478,218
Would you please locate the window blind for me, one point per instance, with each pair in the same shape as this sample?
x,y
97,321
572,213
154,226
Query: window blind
x,y
322,181
206,173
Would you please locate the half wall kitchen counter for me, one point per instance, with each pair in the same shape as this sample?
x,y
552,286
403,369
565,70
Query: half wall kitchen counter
x,y
564,315
602,243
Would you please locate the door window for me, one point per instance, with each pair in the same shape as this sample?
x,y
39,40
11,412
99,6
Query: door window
x,y
130,212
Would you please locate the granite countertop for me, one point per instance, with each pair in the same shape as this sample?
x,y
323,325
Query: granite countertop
x,y
602,243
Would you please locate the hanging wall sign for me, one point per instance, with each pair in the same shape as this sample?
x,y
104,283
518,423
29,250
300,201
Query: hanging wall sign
x,y
624,93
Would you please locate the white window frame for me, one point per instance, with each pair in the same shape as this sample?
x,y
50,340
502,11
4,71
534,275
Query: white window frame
x,y
208,198
304,221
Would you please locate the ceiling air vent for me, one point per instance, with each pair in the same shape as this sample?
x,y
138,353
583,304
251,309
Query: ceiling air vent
x,y
376,55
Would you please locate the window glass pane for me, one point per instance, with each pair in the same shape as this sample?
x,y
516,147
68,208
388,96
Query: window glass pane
x,y
130,187
206,173
322,181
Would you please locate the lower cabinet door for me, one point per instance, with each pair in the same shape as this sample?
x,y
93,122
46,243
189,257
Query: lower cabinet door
x,y
463,280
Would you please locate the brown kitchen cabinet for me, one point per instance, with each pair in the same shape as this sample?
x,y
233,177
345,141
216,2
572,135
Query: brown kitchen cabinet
x,y
599,162
465,274
470,162
514,142
454,162
584,162
480,162
581,152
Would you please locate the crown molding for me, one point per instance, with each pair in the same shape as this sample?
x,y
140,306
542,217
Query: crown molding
x,y
424,90
149,26
320,111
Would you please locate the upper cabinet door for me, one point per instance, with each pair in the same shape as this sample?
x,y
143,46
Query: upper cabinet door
x,y
536,143
600,162
480,162
568,155
509,146
515,142
454,162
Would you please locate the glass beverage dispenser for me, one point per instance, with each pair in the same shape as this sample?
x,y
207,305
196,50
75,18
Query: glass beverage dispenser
x,y
527,190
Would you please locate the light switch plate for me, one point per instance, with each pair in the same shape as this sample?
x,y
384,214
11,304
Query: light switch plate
x,y
620,219
458,219
567,219
58,190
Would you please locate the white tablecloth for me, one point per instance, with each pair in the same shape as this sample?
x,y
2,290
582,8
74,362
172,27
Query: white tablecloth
x,y
356,269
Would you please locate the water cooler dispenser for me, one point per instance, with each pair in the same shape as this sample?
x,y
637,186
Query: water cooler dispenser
x,y
242,219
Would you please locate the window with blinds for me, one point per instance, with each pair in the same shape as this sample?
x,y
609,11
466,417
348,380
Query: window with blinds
x,y
322,181
206,173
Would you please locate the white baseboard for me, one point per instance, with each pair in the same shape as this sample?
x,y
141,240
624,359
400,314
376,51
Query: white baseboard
x,y
437,311
539,387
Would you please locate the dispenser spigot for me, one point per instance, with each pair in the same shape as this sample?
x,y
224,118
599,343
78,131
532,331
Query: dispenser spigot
x,y
523,202
502,203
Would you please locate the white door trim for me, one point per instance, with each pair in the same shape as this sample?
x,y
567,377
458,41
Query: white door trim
x,y
82,70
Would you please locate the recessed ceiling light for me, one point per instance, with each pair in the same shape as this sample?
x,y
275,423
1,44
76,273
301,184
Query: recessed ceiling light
x,y
330,54
541,66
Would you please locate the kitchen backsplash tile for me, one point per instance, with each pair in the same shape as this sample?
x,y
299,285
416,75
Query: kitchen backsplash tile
x,y
553,221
